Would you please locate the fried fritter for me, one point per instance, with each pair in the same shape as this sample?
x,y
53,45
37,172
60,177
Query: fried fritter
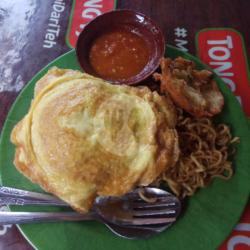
x,y
193,90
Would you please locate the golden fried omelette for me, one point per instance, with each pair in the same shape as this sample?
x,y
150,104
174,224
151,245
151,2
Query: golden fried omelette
x,y
84,137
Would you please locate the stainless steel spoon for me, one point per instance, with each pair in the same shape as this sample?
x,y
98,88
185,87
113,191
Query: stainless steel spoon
x,y
136,218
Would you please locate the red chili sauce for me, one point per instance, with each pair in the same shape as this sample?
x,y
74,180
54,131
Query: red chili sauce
x,y
119,54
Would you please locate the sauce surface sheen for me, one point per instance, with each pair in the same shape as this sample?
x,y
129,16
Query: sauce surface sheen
x,y
118,54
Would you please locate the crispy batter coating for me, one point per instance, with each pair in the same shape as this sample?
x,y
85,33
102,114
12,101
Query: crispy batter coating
x,y
193,90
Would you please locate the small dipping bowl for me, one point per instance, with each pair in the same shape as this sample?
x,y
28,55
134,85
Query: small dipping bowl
x,y
139,27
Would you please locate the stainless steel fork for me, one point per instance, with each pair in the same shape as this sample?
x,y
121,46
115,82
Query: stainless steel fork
x,y
120,214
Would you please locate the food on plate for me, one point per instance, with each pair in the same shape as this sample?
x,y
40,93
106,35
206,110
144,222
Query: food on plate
x,y
204,151
204,146
192,90
84,137
118,54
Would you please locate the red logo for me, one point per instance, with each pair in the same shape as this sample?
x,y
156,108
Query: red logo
x,y
223,50
83,11
240,237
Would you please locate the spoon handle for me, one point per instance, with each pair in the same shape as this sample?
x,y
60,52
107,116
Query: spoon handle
x,y
14,196
9,200
35,217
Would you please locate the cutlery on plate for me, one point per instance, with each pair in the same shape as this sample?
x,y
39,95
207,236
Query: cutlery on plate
x,y
128,216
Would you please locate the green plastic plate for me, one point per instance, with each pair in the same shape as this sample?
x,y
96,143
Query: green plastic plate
x,y
208,218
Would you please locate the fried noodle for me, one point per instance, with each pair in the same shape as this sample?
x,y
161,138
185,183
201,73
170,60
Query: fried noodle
x,y
205,148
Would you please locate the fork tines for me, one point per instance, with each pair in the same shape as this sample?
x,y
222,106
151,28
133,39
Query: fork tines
x,y
147,221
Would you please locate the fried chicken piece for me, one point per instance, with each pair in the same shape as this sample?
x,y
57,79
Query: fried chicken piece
x,y
193,90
